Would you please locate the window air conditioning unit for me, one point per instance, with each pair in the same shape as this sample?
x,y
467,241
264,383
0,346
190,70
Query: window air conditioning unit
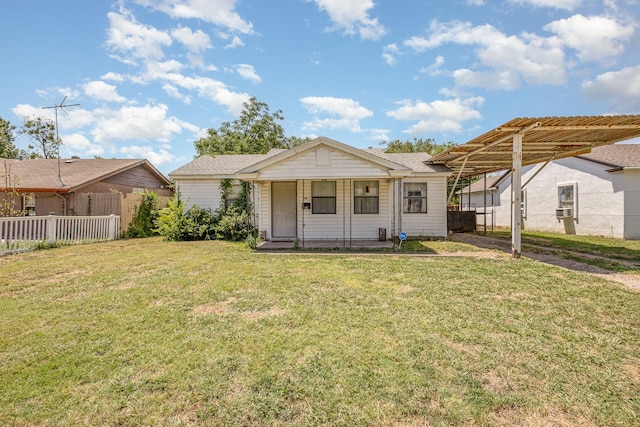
x,y
564,213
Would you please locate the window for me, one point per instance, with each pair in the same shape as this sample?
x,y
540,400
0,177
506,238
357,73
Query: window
x,y
29,204
323,197
566,200
523,203
415,197
365,197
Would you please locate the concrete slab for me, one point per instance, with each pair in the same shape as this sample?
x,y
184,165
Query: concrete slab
x,y
326,244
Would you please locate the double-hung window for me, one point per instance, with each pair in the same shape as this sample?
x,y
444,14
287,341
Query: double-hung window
x,y
415,197
365,197
323,197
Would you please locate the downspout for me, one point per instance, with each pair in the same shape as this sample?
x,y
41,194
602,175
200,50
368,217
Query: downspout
x,y
65,203
302,212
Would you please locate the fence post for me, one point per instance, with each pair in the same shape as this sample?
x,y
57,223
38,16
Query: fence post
x,y
51,229
112,227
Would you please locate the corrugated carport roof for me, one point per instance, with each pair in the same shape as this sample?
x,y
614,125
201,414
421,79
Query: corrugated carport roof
x,y
543,139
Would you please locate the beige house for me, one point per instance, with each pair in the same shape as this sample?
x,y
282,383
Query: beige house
x,y
78,186
326,190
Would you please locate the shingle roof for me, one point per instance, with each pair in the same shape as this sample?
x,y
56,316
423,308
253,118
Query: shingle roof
x,y
619,155
414,161
44,175
221,165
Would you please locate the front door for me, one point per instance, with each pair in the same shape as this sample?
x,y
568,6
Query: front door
x,y
283,210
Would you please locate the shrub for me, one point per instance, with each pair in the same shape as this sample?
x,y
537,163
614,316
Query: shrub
x,y
171,221
199,224
233,224
144,219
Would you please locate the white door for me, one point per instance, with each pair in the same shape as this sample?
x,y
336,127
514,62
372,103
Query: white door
x,y
283,209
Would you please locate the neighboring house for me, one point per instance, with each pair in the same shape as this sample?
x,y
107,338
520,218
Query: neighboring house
x,y
74,186
324,189
591,194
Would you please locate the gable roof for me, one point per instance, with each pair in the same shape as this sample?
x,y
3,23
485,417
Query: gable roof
x,y
68,175
414,161
619,156
323,141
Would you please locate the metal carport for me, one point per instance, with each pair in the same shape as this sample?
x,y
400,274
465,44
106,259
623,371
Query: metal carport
x,y
526,141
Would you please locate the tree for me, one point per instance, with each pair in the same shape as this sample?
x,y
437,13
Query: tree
x,y
7,137
416,146
256,131
42,133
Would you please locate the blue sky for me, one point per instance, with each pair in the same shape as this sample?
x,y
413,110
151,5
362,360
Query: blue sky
x,y
152,75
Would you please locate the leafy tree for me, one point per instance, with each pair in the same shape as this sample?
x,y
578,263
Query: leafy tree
x,y
256,131
416,146
42,132
7,137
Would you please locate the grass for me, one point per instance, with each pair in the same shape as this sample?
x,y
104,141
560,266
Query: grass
x,y
145,332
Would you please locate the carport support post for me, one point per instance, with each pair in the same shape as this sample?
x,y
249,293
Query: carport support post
x,y
516,195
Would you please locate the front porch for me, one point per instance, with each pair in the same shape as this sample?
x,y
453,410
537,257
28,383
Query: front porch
x,y
326,245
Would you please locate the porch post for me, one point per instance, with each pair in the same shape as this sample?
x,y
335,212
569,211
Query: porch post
x,y
516,195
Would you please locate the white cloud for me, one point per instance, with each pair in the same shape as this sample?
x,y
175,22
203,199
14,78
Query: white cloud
x,y
556,4
149,122
353,16
126,36
218,12
348,112
596,38
247,72
78,145
531,58
156,158
197,41
437,116
619,88
102,91
114,77
390,52
435,68
475,2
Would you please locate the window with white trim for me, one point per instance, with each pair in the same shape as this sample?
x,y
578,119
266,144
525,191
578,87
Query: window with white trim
x,y
523,203
29,204
365,197
323,197
415,197
567,197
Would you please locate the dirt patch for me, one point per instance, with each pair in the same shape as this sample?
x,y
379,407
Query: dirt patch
x,y
225,308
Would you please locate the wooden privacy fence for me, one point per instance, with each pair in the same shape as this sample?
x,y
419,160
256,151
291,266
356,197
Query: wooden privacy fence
x,y
112,203
20,234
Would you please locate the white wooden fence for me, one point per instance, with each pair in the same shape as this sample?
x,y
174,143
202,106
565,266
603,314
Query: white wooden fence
x,y
20,234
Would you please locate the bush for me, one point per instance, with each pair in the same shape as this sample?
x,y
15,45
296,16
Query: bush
x,y
233,224
199,224
144,219
176,224
171,220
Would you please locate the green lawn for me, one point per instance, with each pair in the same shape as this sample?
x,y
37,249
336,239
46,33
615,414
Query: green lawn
x,y
145,332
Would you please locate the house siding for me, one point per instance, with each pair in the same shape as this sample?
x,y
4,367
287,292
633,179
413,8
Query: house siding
x,y
607,203
434,222
632,204
341,165
204,193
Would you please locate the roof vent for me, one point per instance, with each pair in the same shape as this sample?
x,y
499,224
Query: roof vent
x,y
69,161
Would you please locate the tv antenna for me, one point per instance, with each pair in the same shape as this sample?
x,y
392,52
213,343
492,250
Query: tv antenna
x,y
62,107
